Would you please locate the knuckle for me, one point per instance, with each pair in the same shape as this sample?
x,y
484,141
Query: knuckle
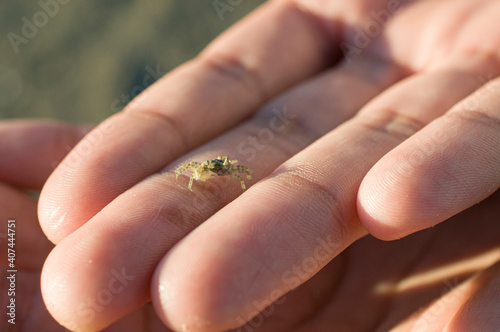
x,y
476,117
234,69
392,123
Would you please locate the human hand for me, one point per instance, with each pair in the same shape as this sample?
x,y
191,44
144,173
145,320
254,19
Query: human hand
x,y
29,151
398,136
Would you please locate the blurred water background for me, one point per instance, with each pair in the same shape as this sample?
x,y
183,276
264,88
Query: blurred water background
x,y
80,61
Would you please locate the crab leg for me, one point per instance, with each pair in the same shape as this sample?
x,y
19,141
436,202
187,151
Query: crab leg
x,y
242,169
183,168
236,176
191,182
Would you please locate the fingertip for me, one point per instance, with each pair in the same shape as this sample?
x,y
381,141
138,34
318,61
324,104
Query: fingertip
x,y
54,290
210,280
186,298
52,211
387,202
370,213
171,307
444,169
370,216
84,288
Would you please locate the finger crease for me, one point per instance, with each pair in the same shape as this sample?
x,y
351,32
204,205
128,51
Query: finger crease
x,y
391,123
325,198
235,70
172,127
476,117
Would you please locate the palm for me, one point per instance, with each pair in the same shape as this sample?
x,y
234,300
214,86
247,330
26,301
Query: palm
x,y
431,56
379,286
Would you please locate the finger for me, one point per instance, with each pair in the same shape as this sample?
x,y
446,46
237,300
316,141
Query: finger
x,y
31,149
178,214
387,284
306,207
459,249
286,313
462,307
136,229
248,65
30,310
376,285
483,303
447,167
21,238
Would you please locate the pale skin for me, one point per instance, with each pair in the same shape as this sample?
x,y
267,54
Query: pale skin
x,y
400,138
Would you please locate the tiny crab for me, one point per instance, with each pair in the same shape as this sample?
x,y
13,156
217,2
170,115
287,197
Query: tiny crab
x,y
212,168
